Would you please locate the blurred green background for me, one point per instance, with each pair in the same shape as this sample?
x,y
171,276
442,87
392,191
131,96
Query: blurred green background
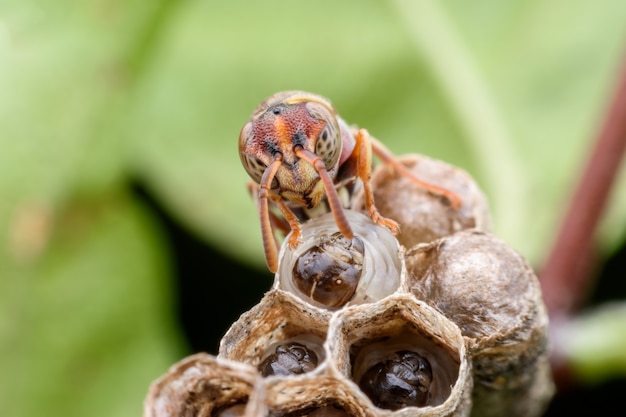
x,y
99,96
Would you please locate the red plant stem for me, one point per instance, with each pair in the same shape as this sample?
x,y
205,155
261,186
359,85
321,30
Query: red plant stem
x,y
566,273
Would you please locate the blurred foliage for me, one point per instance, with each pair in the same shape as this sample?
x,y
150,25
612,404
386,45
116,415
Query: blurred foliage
x,y
96,93
594,343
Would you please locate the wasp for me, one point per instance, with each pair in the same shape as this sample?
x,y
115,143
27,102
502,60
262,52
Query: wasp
x,y
300,154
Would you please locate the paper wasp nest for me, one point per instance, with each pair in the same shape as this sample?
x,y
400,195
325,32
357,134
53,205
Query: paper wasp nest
x,y
445,320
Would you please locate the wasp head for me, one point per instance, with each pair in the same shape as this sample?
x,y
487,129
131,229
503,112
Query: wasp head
x,y
280,126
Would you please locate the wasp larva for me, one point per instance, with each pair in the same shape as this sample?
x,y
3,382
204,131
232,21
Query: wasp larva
x,y
401,380
289,359
331,271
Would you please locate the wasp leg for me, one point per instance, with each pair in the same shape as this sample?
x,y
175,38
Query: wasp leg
x,y
292,220
363,154
388,158
269,221
270,245
331,192
278,223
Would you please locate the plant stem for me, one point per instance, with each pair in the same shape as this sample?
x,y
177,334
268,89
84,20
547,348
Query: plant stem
x,y
566,273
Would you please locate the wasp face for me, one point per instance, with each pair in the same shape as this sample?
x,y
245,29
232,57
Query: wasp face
x,y
282,124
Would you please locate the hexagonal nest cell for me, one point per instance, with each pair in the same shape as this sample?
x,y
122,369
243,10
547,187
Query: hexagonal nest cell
x,y
279,319
446,320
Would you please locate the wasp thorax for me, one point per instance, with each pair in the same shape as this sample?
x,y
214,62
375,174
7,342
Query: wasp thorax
x,y
328,270
289,359
402,379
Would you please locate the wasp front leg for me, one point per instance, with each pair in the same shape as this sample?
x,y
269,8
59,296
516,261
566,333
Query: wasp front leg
x,y
277,222
268,223
270,244
363,154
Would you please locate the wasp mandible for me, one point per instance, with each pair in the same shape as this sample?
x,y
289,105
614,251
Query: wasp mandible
x,y
297,150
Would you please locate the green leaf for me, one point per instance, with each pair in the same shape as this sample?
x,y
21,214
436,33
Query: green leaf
x,y
595,343
529,82
67,72
86,324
